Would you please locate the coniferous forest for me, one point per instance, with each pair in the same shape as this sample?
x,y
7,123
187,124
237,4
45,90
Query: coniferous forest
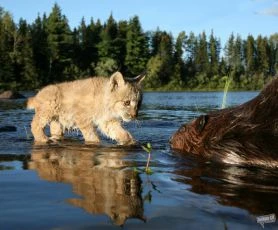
x,y
49,51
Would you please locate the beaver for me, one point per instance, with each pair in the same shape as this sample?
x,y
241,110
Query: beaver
x,y
243,135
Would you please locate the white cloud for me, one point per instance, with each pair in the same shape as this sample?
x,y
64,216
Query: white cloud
x,y
272,11
268,7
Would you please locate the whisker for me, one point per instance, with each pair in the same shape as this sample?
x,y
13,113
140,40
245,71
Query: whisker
x,y
138,124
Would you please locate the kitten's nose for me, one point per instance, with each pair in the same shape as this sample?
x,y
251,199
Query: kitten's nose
x,y
133,114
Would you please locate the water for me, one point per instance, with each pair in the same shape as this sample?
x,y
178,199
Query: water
x,y
71,185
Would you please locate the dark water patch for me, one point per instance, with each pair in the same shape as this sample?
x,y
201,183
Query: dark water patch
x,y
12,104
13,157
14,162
7,128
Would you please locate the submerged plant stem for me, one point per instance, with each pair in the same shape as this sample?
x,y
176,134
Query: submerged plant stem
x,y
148,149
148,162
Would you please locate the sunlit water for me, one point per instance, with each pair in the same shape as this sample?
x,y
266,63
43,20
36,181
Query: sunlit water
x,y
71,185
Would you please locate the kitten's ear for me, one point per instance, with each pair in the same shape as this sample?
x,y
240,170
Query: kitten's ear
x,y
140,77
116,80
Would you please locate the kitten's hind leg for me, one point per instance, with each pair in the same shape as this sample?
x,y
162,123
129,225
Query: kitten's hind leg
x,y
37,127
56,131
114,130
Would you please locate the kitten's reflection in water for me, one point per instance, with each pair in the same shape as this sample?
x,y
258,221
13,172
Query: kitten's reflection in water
x,y
100,176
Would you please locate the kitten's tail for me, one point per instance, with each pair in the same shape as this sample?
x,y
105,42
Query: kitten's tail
x,y
31,103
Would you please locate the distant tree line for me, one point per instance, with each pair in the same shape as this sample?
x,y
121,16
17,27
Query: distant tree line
x,y
49,51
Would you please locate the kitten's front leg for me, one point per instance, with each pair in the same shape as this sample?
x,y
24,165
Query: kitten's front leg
x,y
114,130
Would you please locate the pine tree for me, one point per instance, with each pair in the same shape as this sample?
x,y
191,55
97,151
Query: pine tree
x,y
29,74
155,41
229,52
136,48
24,67
250,55
95,29
165,53
60,42
40,49
84,46
108,49
86,38
6,44
238,59
273,43
190,56
223,67
154,66
108,35
263,59
179,65
179,46
202,60
214,52
120,42
235,57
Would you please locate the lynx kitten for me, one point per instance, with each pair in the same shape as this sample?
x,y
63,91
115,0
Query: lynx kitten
x,y
87,104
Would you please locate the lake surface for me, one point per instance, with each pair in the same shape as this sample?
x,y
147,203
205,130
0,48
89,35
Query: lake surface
x,y
71,185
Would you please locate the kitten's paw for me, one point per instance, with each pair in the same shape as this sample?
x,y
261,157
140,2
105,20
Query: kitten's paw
x,y
92,141
42,140
125,138
55,138
128,142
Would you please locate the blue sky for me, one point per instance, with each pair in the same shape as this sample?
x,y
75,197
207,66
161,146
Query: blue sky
x,y
223,16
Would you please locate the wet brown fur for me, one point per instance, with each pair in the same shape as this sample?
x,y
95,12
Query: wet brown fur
x,y
246,134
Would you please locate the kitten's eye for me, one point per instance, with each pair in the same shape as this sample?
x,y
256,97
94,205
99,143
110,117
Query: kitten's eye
x,y
127,103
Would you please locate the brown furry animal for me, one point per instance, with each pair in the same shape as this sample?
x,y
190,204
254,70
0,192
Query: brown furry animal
x,y
246,134
87,104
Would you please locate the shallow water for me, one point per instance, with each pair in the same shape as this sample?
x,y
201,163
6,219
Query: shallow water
x,y
71,185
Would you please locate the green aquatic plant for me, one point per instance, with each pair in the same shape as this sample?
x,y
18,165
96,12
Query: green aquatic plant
x,y
226,88
148,149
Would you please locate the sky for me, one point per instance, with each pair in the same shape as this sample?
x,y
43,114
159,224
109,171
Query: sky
x,y
241,17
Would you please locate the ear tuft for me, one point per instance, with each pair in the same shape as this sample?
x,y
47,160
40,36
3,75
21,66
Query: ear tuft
x,y
140,77
116,81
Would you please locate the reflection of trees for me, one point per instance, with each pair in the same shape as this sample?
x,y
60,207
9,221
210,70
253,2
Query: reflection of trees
x,y
253,189
100,177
